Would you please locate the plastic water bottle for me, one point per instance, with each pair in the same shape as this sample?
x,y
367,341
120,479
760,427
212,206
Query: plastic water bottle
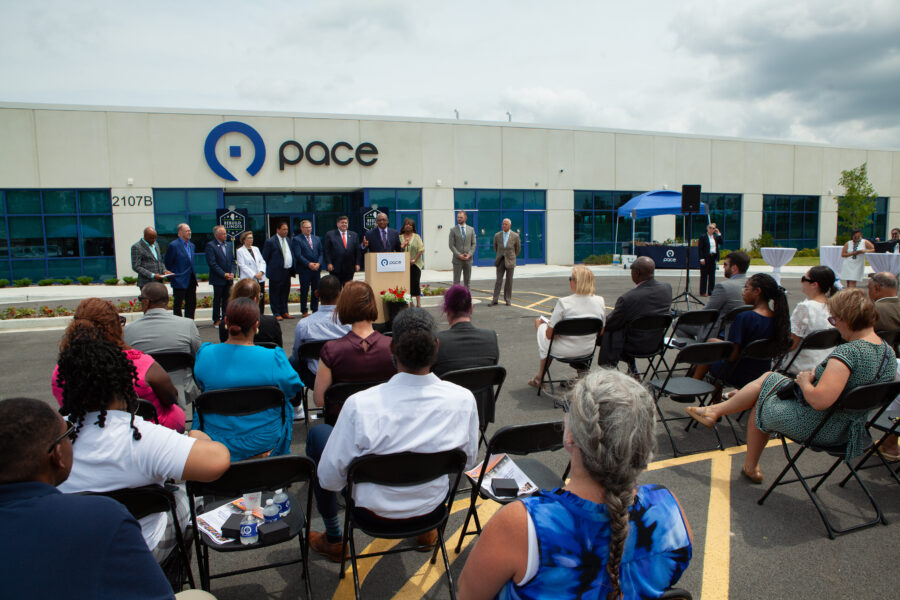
x,y
270,512
283,501
249,535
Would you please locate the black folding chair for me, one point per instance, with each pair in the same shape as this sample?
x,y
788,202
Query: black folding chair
x,y
307,351
888,423
571,327
337,394
485,384
257,475
148,500
676,594
518,440
403,469
239,402
757,350
728,319
703,319
269,345
862,399
685,389
174,361
651,331
892,337
821,339
146,411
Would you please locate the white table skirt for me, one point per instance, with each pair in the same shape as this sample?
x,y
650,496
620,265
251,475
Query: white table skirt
x,y
884,261
777,257
830,256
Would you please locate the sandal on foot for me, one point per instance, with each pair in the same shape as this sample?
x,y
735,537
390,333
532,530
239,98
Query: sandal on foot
x,y
754,477
889,453
698,413
534,382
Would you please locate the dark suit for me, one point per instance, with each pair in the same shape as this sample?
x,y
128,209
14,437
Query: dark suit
x,y
145,263
180,260
220,259
279,275
888,310
343,260
725,297
651,297
464,346
376,245
708,269
304,253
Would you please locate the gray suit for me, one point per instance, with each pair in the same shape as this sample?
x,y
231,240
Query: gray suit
x,y
462,245
144,263
726,296
505,262
161,331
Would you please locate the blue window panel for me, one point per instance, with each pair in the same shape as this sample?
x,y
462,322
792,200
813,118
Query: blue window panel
x,y
170,201
328,202
582,251
26,237
463,200
100,268
488,199
535,200
201,231
95,201
512,200
584,201
200,264
97,235
4,246
65,268
5,273
253,202
203,200
34,270
59,202
23,202
62,237
409,199
385,198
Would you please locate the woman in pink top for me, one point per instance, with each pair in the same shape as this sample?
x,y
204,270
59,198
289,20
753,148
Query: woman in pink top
x,y
151,383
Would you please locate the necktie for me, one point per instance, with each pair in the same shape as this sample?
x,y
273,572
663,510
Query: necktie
x,y
284,249
462,228
309,241
384,239
344,238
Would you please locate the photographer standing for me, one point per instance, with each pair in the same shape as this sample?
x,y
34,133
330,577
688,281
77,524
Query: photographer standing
x,y
708,247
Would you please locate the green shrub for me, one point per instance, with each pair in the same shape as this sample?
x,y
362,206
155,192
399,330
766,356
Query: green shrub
x,y
603,259
64,281
111,281
22,282
765,240
85,279
46,282
808,252
203,276
129,280
4,282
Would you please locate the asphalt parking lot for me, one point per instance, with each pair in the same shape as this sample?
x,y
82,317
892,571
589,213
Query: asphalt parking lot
x,y
741,550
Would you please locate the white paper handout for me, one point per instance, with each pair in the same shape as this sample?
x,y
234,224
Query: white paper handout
x,y
502,466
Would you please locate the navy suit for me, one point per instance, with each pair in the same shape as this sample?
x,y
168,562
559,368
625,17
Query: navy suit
x,y
343,260
279,276
376,245
221,262
708,269
304,253
180,260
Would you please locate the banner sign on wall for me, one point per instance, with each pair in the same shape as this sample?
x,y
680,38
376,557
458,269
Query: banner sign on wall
x,y
234,221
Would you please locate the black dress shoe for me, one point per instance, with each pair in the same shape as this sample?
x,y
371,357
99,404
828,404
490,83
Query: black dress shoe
x,y
494,303
507,302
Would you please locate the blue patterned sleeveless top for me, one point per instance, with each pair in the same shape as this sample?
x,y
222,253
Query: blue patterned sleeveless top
x,y
573,540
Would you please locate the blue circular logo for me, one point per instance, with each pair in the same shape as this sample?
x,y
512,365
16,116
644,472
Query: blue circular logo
x,y
209,148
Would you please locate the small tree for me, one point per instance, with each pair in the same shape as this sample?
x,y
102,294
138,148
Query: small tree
x,y
857,205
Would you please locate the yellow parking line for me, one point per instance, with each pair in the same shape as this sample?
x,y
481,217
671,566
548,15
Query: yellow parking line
x,y
345,587
717,550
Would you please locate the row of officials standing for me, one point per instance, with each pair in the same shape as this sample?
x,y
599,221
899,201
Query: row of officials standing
x,y
339,252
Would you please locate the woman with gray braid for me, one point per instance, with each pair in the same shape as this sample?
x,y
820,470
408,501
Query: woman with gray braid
x,y
601,536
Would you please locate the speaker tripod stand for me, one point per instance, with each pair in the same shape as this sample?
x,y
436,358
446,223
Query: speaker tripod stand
x,y
687,296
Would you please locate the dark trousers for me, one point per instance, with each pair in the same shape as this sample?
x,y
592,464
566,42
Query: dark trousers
x,y
220,300
262,298
708,275
309,282
343,276
278,295
502,270
315,444
186,297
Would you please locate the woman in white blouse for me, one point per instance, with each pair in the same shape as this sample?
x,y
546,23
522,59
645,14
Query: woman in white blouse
x,y
854,255
582,303
252,266
811,315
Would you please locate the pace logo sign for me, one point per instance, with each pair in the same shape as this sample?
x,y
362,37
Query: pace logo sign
x,y
670,256
391,262
291,152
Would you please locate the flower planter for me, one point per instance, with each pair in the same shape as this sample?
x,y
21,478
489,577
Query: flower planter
x,y
391,310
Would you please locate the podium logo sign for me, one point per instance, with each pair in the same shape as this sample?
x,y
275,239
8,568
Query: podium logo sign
x,y
391,262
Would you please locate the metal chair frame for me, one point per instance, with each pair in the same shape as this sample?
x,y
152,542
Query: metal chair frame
x,y
478,380
695,318
821,339
658,324
306,351
864,398
239,401
337,394
571,327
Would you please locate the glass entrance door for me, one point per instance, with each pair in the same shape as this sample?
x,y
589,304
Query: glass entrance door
x,y
529,225
533,240
293,220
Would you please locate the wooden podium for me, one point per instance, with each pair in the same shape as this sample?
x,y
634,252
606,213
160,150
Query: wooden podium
x,y
386,270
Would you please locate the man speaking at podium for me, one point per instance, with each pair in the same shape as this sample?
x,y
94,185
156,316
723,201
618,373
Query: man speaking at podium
x,y
382,238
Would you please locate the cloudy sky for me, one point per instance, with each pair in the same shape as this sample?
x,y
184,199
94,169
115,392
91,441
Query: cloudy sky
x,y
815,71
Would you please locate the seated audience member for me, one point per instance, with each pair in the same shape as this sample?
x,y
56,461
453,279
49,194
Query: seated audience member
x,y
761,323
269,329
321,325
159,331
647,297
811,315
151,382
883,292
725,297
602,535
581,303
463,345
361,355
864,359
413,412
93,544
239,363
113,448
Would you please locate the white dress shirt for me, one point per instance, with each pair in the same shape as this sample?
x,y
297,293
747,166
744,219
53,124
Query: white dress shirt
x,y
408,413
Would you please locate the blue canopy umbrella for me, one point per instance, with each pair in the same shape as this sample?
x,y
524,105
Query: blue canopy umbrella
x,y
649,204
